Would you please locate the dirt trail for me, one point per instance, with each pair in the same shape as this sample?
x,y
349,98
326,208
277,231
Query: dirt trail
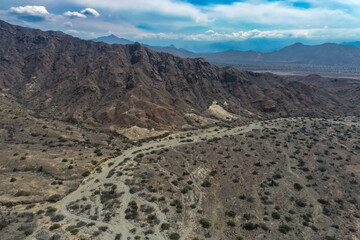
x,y
96,180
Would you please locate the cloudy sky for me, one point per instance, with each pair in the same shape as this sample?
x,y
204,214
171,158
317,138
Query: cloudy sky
x,y
192,22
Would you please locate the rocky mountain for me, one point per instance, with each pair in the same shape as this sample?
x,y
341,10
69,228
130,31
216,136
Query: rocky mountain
x,y
346,89
325,54
112,39
95,83
332,54
356,43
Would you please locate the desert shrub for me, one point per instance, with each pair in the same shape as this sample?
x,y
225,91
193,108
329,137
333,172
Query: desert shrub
x,y
231,223
230,213
74,231
3,224
54,226
205,223
300,203
165,226
22,194
275,215
174,236
54,198
298,187
206,183
28,232
247,216
283,228
85,174
249,226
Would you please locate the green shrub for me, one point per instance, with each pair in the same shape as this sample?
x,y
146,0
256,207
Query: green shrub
x,y
283,228
174,236
54,198
231,223
250,226
85,174
275,215
206,183
165,226
205,223
28,232
298,187
3,224
230,213
74,231
54,226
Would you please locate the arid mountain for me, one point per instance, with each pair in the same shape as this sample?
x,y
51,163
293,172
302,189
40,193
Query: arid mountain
x,y
346,89
112,39
325,54
66,78
326,58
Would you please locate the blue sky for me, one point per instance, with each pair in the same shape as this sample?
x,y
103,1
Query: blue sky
x,y
192,23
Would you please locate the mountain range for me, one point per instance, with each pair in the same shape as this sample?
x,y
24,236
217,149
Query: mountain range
x,y
105,85
330,54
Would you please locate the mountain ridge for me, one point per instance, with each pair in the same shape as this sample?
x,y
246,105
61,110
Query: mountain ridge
x,y
330,54
122,85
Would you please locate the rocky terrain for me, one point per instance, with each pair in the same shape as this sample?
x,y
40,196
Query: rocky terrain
x,y
345,88
102,85
104,141
291,178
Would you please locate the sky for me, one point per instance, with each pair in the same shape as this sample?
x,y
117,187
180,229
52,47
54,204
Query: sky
x,y
194,24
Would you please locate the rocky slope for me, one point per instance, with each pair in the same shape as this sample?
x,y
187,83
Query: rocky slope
x,y
346,89
66,78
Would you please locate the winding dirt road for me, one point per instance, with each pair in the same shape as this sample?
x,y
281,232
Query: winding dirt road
x,y
96,180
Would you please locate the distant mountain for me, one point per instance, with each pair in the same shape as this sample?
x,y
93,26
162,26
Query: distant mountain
x,y
173,50
331,54
357,43
324,54
112,39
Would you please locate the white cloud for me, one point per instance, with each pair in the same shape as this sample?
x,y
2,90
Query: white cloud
x,y
30,13
90,12
68,24
167,7
279,13
74,14
30,10
83,13
315,33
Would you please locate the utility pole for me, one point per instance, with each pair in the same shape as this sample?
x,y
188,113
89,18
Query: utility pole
x,y
131,106
238,107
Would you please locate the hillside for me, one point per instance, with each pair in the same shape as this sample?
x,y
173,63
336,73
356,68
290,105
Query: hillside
x,y
98,84
346,89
